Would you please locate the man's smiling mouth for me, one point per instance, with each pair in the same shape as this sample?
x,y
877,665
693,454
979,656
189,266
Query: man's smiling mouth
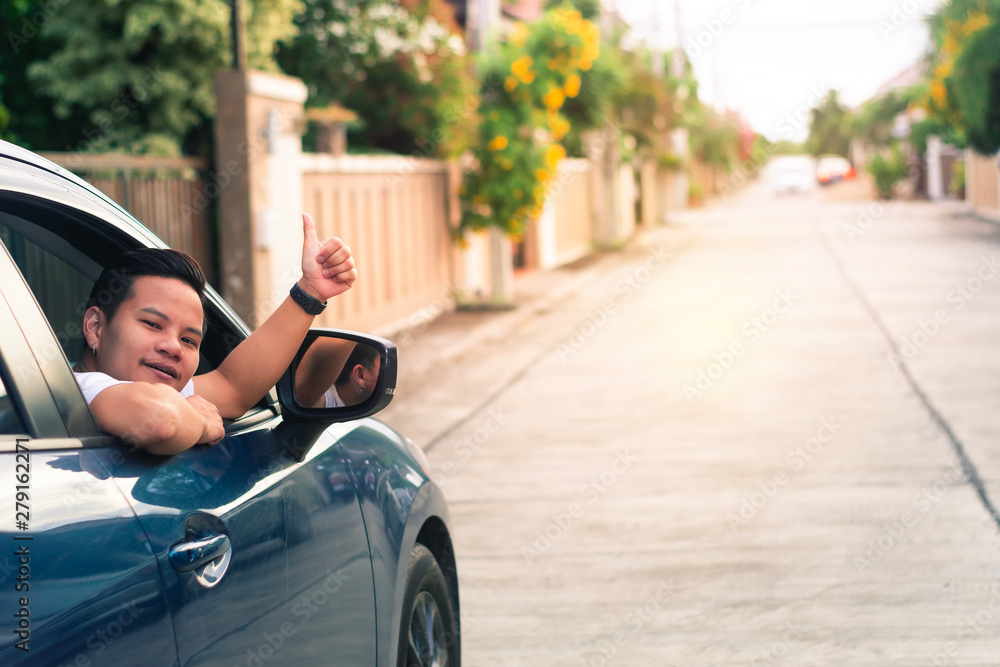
x,y
163,368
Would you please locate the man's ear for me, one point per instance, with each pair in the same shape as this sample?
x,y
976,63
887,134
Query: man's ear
x,y
93,324
358,374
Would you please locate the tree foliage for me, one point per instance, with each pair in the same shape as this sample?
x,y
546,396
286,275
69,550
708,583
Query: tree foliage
x,y
401,66
590,10
964,87
141,71
829,127
28,118
874,122
715,138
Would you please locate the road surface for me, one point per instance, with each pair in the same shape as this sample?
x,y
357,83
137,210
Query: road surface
x,y
768,433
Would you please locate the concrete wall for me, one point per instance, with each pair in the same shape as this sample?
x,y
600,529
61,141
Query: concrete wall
x,y
397,213
393,212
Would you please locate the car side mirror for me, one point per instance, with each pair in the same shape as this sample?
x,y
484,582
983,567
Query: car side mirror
x,y
338,376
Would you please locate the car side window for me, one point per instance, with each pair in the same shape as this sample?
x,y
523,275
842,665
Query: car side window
x,y
60,290
61,273
60,253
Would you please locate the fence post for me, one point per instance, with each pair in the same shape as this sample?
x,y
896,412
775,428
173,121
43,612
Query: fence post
x,y
126,182
257,128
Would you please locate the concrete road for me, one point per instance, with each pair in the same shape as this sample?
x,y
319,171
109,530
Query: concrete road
x,y
766,434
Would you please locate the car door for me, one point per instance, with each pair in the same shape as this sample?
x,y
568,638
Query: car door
x,y
290,581
261,555
79,584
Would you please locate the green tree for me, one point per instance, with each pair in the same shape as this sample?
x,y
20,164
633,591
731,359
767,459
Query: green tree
x,y
28,118
873,123
715,139
829,131
141,71
401,66
964,87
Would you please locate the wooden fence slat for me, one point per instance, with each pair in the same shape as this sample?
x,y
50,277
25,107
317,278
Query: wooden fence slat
x,y
162,193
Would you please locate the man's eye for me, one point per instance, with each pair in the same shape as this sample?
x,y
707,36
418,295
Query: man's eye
x,y
190,341
152,324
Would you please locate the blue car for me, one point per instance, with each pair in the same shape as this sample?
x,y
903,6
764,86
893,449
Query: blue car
x,y
308,536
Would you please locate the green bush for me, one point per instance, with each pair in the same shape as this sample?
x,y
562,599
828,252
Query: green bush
x,y
957,185
887,172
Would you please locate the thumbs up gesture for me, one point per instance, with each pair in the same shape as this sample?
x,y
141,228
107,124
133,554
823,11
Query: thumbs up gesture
x,y
328,267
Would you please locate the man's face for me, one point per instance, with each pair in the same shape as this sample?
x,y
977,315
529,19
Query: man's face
x,y
155,334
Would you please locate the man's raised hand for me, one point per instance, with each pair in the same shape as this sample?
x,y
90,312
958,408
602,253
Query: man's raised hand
x,y
328,267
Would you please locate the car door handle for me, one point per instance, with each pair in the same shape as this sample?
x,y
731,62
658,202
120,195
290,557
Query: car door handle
x,y
188,556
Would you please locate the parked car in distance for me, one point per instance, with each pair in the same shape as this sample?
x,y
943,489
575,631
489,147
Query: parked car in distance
x,y
833,168
307,536
791,173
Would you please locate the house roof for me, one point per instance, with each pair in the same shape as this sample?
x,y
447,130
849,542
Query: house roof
x,y
910,76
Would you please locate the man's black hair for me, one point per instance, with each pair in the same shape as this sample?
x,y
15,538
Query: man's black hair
x,y
115,284
361,354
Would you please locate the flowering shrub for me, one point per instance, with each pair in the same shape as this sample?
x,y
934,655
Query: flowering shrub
x,y
526,81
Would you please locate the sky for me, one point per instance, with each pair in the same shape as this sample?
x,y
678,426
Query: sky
x,y
773,59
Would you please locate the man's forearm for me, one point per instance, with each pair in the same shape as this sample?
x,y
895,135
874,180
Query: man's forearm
x,y
259,361
153,417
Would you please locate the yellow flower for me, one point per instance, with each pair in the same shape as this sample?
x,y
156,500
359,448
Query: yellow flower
x,y
560,128
506,164
498,144
554,98
542,175
510,84
572,87
976,22
521,68
553,154
519,34
937,91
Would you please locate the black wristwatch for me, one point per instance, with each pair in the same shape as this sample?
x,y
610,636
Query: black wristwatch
x,y
310,304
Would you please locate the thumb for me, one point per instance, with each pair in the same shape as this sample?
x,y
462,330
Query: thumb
x,y
309,239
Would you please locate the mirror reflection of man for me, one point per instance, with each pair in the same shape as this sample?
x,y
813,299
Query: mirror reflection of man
x,y
354,367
